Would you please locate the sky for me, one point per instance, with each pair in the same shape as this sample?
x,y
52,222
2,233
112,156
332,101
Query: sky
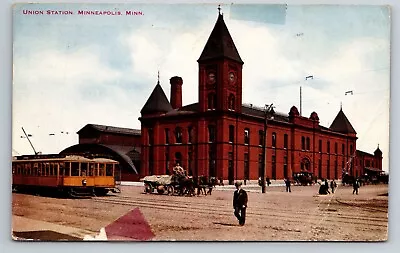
x,y
73,70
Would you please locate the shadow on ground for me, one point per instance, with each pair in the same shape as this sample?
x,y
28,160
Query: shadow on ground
x,y
226,224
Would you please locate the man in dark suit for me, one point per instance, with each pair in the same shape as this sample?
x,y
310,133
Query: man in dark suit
x,y
240,203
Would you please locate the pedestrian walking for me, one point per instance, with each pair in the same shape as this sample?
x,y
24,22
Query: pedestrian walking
x,y
327,186
240,203
356,185
287,183
333,185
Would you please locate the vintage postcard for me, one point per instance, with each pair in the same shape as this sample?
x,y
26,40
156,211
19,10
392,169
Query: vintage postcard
x,y
200,122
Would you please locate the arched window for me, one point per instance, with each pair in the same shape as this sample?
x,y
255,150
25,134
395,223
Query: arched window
x,y
212,101
178,135
274,140
231,102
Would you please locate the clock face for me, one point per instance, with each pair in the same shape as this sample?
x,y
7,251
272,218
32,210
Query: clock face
x,y
211,77
232,77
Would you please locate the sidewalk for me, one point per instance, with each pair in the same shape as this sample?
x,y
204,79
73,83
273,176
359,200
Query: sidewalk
x,y
29,229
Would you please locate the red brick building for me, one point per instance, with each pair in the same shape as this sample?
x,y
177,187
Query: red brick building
x,y
219,136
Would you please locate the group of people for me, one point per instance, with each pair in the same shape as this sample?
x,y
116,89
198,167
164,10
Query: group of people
x,y
324,187
240,197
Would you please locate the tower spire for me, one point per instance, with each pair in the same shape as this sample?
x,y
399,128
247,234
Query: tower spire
x,y
219,9
340,105
158,77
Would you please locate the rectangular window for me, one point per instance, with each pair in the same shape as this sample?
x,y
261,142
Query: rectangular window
x,y
308,143
109,169
74,169
285,166
336,169
320,146
190,163
84,168
260,164
328,147
190,133
151,137
274,167
166,136
336,148
328,174
211,133
247,136
261,138
273,140
285,141
231,133
167,163
320,168
246,166
303,143
342,149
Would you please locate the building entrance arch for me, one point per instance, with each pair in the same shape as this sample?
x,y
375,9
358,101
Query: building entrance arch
x,y
305,164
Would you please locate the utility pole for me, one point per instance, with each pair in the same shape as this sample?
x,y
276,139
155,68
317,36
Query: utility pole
x,y
268,112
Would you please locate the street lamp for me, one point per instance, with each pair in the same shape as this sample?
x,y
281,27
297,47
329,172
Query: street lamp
x,y
268,113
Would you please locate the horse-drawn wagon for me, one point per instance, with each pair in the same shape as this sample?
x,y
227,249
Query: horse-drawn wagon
x,y
170,185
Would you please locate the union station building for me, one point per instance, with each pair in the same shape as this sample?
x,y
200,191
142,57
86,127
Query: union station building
x,y
220,136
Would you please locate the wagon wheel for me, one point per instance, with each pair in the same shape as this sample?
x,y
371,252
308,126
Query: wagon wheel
x,y
160,189
147,188
170,190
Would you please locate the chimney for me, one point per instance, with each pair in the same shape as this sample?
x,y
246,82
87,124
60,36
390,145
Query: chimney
x,y
176,92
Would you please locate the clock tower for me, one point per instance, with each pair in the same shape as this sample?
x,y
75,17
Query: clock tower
x,y
220,72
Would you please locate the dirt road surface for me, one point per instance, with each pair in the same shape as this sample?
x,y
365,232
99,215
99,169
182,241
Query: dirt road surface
x,y
301,215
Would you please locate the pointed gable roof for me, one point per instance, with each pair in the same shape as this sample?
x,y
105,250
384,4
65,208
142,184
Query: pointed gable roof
x,y
342,124
157,102
220,44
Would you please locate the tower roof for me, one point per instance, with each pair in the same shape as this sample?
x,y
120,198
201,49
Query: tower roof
x,y
157,102
378,151
220,44
342,124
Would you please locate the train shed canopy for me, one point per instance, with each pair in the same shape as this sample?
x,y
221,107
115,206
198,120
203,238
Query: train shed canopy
x,y
125,155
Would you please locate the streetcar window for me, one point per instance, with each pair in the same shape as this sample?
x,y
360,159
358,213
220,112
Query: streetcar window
x,y
91,169
74,169
84,168
13,169
62,171
68,169
101,169
109,169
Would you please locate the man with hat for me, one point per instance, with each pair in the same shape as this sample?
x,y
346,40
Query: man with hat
x,y
240,203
